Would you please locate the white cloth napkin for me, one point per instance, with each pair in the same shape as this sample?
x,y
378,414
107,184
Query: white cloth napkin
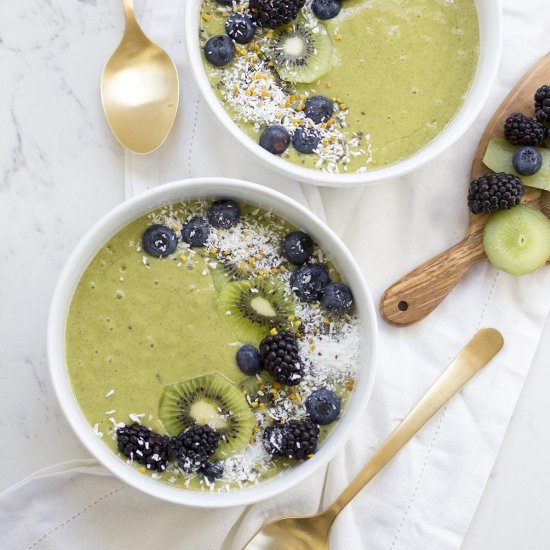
x,y
426,498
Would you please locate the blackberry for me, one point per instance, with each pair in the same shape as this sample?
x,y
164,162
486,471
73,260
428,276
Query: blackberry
x,y
192,448
522,130
494,192
295,439
274,13
542,104
279,355
146,447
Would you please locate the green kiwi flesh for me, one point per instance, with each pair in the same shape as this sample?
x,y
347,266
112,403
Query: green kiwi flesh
x,y
225,273
498,158
209,399
518,240
253,307
299,54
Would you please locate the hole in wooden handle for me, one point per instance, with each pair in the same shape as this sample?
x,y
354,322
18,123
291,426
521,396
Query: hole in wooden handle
x,y
403,306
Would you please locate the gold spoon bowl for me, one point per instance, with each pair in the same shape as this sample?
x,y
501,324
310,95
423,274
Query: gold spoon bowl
x,y
312,532
139,89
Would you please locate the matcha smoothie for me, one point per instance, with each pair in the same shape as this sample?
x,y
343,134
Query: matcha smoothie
x,y
395,72
157,343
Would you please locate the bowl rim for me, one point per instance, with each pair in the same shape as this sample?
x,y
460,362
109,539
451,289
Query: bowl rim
x,y
490,19
107,226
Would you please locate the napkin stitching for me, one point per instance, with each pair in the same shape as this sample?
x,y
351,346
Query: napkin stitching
x,y
489,296
419,479
439,424
75,516
192,139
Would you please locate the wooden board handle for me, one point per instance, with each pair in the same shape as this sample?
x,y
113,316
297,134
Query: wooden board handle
x,y
419,292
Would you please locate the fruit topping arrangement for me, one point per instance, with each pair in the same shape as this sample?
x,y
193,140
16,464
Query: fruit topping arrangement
x,y
296,342
269,51
517,236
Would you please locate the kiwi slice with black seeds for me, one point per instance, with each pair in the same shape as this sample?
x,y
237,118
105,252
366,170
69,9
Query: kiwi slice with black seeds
x,y
227,272
209,399
252,308
301,52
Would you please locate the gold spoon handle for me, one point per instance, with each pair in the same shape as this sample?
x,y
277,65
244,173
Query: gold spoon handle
x,y
477,353
128,6
129,15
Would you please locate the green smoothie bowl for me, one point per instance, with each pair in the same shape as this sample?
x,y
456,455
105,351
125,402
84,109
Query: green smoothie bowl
x,y
344,92
212,342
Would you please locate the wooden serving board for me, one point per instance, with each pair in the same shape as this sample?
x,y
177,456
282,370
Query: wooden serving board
x,y
419,292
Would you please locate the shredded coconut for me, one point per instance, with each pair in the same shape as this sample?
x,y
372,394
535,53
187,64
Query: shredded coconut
x,y
328,345
255,95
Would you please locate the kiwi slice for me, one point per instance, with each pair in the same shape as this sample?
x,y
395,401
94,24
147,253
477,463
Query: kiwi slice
x,y
254,307
498,158
229,272
517,240
209,399
301,52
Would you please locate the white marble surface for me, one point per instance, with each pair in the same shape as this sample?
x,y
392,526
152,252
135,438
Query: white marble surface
x,y
60,170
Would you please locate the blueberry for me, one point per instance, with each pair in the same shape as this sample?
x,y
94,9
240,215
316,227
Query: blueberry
x,y
527,161
323,406
297,247
318,108
219,50
306,140
159,241
223,214
195,232
336,297
212,471
308,281
275,139
241,27
248,360
326,9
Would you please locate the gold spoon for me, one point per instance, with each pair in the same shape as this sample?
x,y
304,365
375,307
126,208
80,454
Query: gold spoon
x,y
139,89
312,532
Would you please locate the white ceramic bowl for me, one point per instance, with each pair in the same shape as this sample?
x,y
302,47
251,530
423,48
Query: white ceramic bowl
x,y
490,22
244,192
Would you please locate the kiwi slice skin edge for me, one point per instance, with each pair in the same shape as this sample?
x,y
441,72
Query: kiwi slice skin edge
x,y
254,307
228,273
209,399
300,55
517,240
498,158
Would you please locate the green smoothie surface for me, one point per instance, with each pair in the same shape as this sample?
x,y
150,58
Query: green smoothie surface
x,y
400,72
138,323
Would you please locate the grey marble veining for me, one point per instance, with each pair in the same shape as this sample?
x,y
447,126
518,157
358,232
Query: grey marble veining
x,y
60,170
